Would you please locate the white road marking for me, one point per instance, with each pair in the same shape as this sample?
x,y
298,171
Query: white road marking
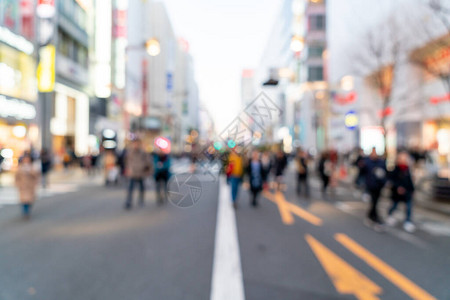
x,y
227,281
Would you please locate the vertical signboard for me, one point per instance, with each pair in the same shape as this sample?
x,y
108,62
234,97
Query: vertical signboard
x,y
46,69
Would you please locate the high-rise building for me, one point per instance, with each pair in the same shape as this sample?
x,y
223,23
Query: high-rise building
x,y
293,74
68,113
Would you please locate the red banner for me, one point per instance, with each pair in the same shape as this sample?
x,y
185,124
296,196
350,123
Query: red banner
x,y
439,99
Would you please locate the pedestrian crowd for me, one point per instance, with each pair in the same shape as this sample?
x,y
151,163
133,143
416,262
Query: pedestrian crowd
x,y
373,178
132,165
260,169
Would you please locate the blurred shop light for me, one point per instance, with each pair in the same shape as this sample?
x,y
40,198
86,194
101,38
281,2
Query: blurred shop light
x,y
163,144
45,8
372,136
15,108
7,153
109,134
287,144
58,126
282,133
109,144
211,150
33,132
298,7
218,145
85,4
16,41
103,44
320,95
19,131
297,43
152,46
231,144
347,83
285,73
194,134
443,138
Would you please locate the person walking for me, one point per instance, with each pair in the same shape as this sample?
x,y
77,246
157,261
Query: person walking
x,y
111,169
325,170
46,165
138,166
235,172
376,176
266,163
359,164
279,167
402,191
301,163
26,180
255,173
162,164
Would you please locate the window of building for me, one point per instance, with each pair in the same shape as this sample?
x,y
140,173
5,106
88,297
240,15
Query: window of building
x,y
317,22
64,44
315,73
315,51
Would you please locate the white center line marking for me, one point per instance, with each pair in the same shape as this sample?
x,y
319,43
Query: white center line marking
x,y
227,281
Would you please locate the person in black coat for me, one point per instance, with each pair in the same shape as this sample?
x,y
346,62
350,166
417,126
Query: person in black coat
x,y
376,177
402,190
301,163
46,165
280,164
325,169
255,173
266,161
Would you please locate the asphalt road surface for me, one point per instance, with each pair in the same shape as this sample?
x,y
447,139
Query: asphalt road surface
x,y
82,244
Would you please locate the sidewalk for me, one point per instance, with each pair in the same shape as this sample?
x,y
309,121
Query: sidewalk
x,y
73,175
59,182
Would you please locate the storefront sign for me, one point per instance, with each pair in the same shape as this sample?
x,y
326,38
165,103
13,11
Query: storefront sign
x,y
345,99
351,120
46,8
17,74
46,69
15,108
9,14
16,41
440,99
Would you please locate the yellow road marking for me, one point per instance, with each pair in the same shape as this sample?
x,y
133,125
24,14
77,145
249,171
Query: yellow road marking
x,y
287,208
403,283
345,278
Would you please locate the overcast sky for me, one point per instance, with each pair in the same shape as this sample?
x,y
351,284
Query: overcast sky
x,y
225,36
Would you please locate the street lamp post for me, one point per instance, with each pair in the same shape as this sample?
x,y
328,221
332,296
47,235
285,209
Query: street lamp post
x,y
152,47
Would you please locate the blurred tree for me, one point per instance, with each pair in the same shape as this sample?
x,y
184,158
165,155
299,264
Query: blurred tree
x,y
377,59
434,57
